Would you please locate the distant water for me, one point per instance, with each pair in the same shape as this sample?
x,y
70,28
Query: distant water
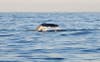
x,y
20,43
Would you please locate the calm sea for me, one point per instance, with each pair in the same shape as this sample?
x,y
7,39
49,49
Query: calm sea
x,y
20,43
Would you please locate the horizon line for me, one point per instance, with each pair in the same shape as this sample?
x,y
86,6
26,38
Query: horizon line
x,y
53,11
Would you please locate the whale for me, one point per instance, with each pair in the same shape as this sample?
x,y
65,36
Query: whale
x,y
48,27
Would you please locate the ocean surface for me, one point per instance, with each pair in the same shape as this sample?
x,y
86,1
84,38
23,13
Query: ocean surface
x,y
19,42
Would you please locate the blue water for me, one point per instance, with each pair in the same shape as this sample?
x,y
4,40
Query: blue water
x,y
79,43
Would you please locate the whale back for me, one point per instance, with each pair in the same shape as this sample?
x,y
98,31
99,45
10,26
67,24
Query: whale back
x,y
49,25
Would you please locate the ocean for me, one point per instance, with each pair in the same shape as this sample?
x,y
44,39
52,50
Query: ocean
x,y
19,42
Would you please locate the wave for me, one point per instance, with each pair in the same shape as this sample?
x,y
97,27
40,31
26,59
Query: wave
x,y
92,50
6,35
50,58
